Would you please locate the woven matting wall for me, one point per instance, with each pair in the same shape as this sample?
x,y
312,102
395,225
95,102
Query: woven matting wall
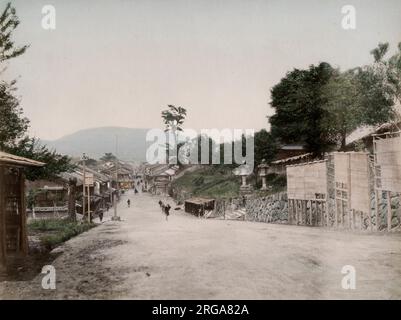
x,y
306,180
353,168
388,157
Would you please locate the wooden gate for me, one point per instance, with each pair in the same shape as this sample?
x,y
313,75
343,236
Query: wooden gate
x,y
307,193
13,216
13,233
387,164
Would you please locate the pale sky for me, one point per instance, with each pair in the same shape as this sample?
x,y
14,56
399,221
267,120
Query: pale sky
x,y
120,62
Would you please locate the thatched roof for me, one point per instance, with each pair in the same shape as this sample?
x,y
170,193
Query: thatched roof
x,y
7,158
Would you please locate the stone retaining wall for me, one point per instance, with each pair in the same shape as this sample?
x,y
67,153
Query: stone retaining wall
x,y
272,208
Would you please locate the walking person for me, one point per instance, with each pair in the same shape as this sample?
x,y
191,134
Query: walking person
x,y
167,211
161,205
128,203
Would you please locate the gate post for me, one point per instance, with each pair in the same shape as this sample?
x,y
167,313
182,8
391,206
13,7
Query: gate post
x,y
389,212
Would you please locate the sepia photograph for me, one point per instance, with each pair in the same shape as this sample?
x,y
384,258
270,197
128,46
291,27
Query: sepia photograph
x,y
204,153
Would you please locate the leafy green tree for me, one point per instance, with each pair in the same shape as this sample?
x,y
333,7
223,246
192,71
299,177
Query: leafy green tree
x,y
342,113
386,75
108,156
91,162
357,97
8,23
31,197
55,163
298,102
394,74
376,99
320,106
13,124
173,118
265,147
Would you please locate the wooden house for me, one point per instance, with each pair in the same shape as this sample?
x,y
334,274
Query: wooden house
x,y
13,231
100,190
290,150
47,198
158,177
124,174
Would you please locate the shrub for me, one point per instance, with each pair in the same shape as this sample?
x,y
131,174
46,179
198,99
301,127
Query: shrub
x,y
58,230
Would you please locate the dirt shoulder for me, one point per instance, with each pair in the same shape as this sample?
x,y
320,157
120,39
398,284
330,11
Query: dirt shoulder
x,y
80,270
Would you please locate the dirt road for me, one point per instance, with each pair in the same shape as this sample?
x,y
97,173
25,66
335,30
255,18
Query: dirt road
x,y
146,257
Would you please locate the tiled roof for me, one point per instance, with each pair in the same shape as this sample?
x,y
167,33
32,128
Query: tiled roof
x,y
302,156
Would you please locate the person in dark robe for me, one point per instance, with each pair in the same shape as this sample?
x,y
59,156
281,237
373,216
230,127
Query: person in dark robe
x,y
167,211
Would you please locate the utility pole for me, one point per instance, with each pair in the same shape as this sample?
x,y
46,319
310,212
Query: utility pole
x,y
83,186
116,217
89,204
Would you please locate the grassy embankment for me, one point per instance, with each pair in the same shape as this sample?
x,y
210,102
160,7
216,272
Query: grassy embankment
x,y
277,183
53,232
209,182
219,182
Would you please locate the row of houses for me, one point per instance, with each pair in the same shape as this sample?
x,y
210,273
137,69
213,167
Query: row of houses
x,y
157,177
50,198
21,199
124,171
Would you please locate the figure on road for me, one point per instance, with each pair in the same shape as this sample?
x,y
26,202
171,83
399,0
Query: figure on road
x,y
128,203
167,211
161,205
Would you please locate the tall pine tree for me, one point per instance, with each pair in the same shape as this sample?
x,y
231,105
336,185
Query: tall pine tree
x,y
13,124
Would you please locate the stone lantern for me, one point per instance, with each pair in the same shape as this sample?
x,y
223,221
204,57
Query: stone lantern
x,y
243,171
263,173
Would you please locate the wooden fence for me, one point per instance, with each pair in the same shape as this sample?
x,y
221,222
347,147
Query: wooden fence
x,y
359,192
307,193
387,165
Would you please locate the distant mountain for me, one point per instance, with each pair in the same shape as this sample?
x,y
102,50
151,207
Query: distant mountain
x,y
97,141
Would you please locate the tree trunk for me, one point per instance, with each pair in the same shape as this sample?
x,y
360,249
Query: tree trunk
x,y
72,186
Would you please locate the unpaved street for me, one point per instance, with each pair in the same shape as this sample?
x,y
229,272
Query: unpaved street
x,y
146,257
